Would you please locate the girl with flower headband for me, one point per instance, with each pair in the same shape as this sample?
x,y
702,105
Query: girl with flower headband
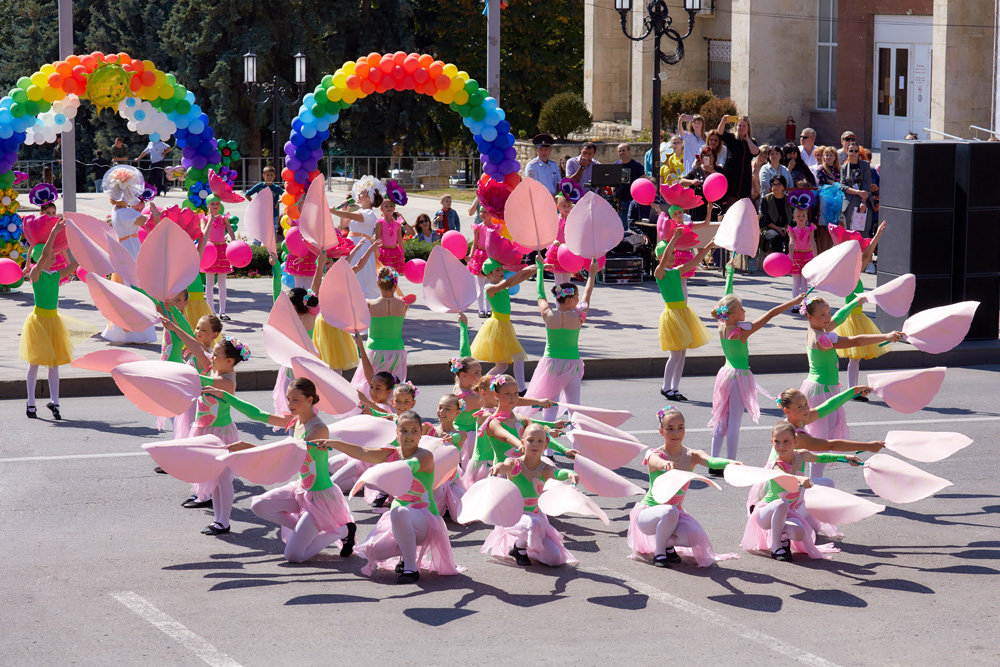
x,y
801,247
368,192
496,341
663,529
559,273
448,496
385,346
735,388
218,230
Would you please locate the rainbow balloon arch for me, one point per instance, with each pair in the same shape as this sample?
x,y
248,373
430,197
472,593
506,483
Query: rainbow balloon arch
x,y
375,73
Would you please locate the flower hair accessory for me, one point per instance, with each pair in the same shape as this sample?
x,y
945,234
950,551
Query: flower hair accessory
x,y
123,183
662,412
412,387
722,312
456,365
43,194
368,184
240,347
805,304
396,192
563,292
148,193
497,381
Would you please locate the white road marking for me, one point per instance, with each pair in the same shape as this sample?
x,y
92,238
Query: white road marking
x,y
721,621
69,457
852,424
175,630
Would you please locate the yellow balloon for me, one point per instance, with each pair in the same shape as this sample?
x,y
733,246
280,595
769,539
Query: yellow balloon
x,y
464,76
456,85
53,94
461,97
285,222
439,96
450,70
333,94
161,78
447,96
166,91
47,69
39,79
350,96
340,79
148,66
34,93
348,67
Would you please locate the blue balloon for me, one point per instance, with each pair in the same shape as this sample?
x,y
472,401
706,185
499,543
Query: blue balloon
x,y
495,156
507,274
189,97
307,119
301,177
196,127
501,114
308,131
6,102
296,124
140,114
489,134
301,152
6,131
324,134
287,279
308,100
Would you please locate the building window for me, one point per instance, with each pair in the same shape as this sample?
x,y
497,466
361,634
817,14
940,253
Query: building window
x,y
719,51
826,56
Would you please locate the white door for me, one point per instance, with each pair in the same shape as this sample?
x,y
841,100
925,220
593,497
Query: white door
x,y
901,100
892,92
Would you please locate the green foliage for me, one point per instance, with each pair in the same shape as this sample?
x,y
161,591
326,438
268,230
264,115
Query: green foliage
x,y
670,108
694,99
676,102
564,113
714,109
414,249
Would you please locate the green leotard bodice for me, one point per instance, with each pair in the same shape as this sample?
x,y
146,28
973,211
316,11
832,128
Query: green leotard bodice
x,y
526,485
198,284
775,490
500,302
46,290
425,480
562,343
465,421
737,353
317,465
501,447
671,288
220,409
683,463
482,451
823,366
385,333
175,351
858,290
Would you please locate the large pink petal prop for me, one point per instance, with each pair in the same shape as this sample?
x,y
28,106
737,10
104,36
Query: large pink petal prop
x,y
610,452
739,230
161,388
103,361
315,220
336,395
191,460
938,330
493,500
281,349
838,507
531,216
900,482
342,301
285,320
98,231
669,483
258,221
167,262
446,458
835,270
272,463
895,296
448,285
585,423
394,478
89,252
559,498
593,227
908,391
124,306
601,481
222,189
364,430
609,417
926,446
750,475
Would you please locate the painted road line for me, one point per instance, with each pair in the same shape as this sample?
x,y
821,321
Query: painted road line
x,y
70,457
852,424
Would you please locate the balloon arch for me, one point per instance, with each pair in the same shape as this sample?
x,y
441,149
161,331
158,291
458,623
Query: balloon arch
x,y
375,73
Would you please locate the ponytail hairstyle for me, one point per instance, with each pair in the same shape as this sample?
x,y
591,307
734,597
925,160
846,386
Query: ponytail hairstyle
x,y
786,397
302,299
387,279
564,291
406,387
214,323
812,304
234,349
485,384
721,311
306,386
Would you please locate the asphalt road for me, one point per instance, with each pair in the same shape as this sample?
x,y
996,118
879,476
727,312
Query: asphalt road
x,y
102,566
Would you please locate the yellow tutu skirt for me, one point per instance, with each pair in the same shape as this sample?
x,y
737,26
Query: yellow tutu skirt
x,y
196,308
857,324
496,342
680,329
336,347
46,340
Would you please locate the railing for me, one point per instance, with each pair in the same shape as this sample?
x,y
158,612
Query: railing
x,y
943,134
976,129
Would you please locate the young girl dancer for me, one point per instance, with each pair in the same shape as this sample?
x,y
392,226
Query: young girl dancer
x,y
680,328
780,521
335,346
197,353
312,511
448,496
801,248
219,231
682,256
413,519
480,231
306,305
559,273
368,192
560,370
795,406
467,373
385,333
735,388
532,537
389,230
496,342
658,529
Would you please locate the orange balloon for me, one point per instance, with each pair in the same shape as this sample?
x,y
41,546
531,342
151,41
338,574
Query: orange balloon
x,y
55,80
387,64
435,69
124,58
374,59
111,58
97,55
90,62
288,199
353,82
73,60
64,69
411,64
421,76
425,60
292,212
367,87
362,69
442,82
138,66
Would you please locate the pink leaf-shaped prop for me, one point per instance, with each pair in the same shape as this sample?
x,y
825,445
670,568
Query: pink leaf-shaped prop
x,y
601,481
161,388
926,446
258,221
342,301
531,216
285,320
280,348
222,189
559,498
739,230
608,451
167,261
583,422
336,395
895,296
124,306
493,500
89,243
448,285
908,391
900,482
609,417
835,270
669,483
749,475
394,478
446,458
364,430
273,463
315,220
191,460
103,361
838,507
593,227
938,330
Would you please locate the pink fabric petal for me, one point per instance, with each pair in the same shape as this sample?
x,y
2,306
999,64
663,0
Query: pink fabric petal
x,y
593,227
167,261
749,475
896,296
273,463
103,361
446,458
161,388
938,330
123,306
258,222
585,423
336,394
448,286
394,478
926,446
559,498
90,252
900,482
669,483
531,216
835,270
364,430
610,452
908,391
609,417
285,321
342,301
739,230
601,481
222,189
315,219
191,460
493,500
838,507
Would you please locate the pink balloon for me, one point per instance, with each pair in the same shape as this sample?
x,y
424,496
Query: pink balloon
x,y
455,243
715,187
414,270
208,257
81,273
239,254
643,191
568,260
10,271
777,264
296,244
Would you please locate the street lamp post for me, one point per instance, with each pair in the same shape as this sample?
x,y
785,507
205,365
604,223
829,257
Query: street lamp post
x,y
275,92
658,22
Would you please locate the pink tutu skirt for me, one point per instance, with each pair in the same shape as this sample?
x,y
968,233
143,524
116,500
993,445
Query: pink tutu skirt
x,y
800,259
302,266
475,261
448,496
434,554
552,260
727,380
552,376
702,551
392,257
833,426
390,361
228,434
221,264
756,538
501,540
683,257
280,391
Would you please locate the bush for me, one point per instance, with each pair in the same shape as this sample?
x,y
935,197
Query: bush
x,y
564,113
670,108
693,100
714,109
413,249
676,102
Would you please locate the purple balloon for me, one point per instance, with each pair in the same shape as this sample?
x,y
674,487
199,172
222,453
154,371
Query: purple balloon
x,y
509,153
289,148
293,163
301,177
200,162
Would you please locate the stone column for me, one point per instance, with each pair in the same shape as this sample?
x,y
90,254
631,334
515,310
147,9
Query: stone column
x,y
962,64
605,62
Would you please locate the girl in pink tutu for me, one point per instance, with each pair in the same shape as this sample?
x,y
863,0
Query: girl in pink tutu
x,y
389,229
480,232
218,229
532,537
413,520
311,510
662,529
801,248
448,496
559,273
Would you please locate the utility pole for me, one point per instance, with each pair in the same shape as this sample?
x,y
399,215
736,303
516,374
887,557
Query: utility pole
x,y
68,153
493,48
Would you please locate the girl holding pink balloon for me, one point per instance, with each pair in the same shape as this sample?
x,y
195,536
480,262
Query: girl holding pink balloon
x,y
219,231
801,247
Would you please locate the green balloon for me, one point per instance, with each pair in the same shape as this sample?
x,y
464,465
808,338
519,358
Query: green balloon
x,y
183,107
31,108
478,113
19,96
471,86
171,79
196,175
22,83
7,179
179,92
43,105
454,106
166,106
476,98
235,156
325,82
16,109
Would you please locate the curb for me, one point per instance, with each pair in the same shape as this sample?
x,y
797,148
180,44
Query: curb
x,y
971,353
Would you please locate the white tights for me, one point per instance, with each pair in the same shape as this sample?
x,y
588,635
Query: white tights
x,y
222,498
409,529
799,285
301,281
673,370
729,427
210,279
853,372
570,394
774,517
481,292
32,379
562,277
348,470
534,533
661,522
304,539
501,367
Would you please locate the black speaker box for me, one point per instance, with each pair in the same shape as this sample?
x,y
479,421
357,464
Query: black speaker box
x,y
917,241
985,290
930,292
982,240
980,159
919,175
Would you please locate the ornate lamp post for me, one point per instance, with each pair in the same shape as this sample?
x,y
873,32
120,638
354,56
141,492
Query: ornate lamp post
x,y
276,92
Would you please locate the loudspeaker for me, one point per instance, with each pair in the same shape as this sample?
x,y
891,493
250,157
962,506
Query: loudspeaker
x,y
982,240
931,292
916,241
922,174
985,290
980,162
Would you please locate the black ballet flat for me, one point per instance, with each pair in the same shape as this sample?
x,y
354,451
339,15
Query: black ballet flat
x,y
215,528
716,472
348,546
661,561
667,394
672,556
520,556
159,471
399,567
31,412
194,503
224,317
678,396
783,554
54,407
861,399
408,577
380,500
522,392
